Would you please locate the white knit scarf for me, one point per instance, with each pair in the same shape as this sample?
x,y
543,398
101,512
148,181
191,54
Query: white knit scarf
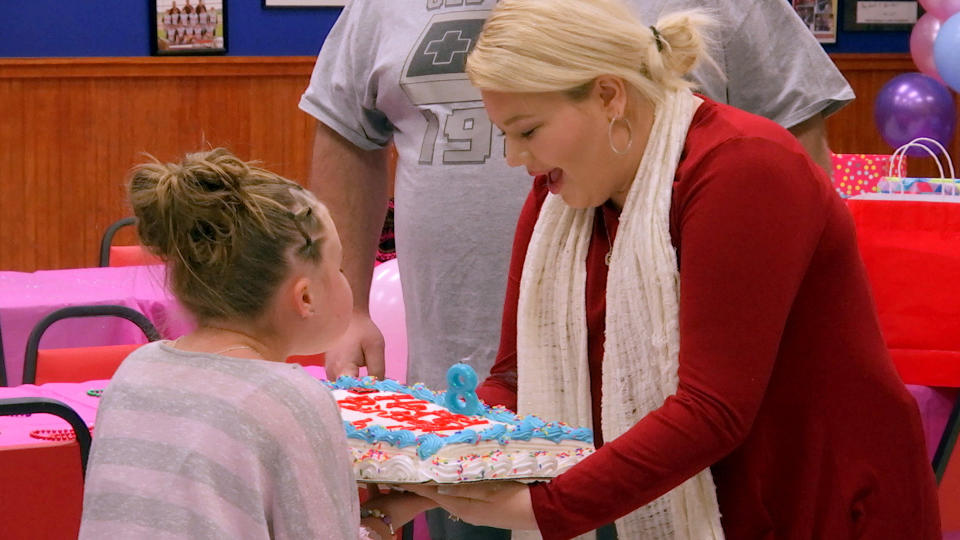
x,y
642,324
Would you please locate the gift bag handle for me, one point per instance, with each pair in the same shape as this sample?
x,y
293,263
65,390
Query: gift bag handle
x,y
916,144
901,153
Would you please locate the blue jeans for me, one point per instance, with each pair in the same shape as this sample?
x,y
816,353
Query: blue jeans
x,y
444,528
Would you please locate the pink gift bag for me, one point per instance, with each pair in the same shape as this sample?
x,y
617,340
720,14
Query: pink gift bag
x,y
854,174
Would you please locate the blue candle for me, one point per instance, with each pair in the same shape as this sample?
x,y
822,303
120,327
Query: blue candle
x,y
461,395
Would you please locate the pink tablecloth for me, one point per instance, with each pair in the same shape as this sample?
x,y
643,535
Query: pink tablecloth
x,y
16,430
25,298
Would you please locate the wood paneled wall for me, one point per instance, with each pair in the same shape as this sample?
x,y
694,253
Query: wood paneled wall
x,y
70,129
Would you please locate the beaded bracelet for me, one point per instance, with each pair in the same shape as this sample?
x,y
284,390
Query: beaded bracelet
x,y
376,513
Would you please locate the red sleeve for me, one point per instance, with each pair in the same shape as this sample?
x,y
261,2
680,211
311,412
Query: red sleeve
x,y
746,219
500,388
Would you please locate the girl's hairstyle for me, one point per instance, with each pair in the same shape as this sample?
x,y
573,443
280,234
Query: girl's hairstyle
x,y
564,45
227,230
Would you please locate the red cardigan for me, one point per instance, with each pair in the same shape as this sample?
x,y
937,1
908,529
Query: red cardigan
x,y
786,389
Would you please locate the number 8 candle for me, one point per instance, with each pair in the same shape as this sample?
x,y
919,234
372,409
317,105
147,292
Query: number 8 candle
x,y
461,395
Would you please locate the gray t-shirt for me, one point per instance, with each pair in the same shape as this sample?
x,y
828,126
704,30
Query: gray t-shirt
x,y
393,69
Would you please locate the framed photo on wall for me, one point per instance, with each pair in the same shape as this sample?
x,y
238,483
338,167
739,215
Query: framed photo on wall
x,y
186,27
820,16
302,3
888,15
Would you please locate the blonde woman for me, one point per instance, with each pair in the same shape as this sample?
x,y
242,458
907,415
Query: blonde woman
x,y
685,280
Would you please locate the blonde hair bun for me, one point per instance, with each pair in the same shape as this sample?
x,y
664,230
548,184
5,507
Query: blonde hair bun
x,y
562,45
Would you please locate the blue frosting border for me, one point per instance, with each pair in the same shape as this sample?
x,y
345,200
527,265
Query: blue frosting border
x,y
523,428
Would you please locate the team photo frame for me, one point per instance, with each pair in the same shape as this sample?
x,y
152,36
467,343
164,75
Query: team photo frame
x,y
188,27
303,3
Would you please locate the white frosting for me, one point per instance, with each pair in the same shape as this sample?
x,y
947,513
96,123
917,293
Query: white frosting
x,y
497,458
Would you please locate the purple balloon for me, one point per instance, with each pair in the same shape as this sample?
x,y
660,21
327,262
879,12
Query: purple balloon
x,y
921,45
915,105
941,9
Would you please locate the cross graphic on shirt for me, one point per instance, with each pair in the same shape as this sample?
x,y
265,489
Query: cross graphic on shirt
x,y
450,45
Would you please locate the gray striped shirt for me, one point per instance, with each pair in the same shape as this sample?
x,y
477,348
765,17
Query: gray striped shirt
x,y
191,445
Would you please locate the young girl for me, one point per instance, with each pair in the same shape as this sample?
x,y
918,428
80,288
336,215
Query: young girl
x,y
213,435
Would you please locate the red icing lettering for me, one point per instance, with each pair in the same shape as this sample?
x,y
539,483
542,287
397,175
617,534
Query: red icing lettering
x,y
410,412
362,423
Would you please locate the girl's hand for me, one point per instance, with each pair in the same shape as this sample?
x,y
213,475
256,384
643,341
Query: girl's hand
x,y
504,505
399,507
376,530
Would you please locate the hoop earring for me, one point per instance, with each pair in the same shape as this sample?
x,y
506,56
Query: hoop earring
x,y
629,136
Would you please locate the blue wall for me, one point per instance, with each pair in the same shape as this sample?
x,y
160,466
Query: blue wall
x,y
51,28
870,42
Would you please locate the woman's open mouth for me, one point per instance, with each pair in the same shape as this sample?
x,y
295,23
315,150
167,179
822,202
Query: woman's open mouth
x,y
555,180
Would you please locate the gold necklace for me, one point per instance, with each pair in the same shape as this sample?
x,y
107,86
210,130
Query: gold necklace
x,y
237,348
233,347
176,345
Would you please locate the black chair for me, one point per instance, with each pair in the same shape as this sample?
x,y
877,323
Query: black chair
x,y
133,255
947,442
107,240
946,471
42,494
35,405
3,363
106,357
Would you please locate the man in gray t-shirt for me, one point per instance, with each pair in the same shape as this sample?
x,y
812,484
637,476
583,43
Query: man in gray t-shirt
x,y
392,70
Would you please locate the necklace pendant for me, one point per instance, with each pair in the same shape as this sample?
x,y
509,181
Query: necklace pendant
x,y
606,258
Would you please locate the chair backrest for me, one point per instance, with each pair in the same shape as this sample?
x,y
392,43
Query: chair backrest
x,y
111,255
102,358
947,472
3,363
42,493
318,359
131,256
80,364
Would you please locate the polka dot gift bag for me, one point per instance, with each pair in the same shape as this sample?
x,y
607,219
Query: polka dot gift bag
x,y
854,174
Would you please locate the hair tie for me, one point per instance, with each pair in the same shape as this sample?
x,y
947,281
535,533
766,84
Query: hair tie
x,y
657,37
298,219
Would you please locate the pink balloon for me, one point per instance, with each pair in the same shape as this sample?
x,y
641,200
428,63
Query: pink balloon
x,y
921,44
386,310
941,9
